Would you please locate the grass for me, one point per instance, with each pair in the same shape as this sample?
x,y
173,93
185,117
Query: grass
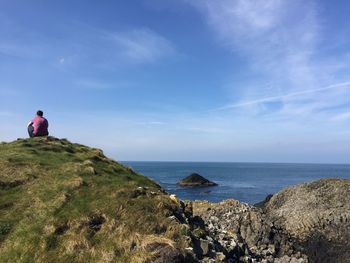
x,y
65,202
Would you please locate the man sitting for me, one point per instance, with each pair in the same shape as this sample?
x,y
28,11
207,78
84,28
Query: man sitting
x,y
38,126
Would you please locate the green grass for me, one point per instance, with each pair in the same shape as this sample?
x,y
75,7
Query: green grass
x,y
65,202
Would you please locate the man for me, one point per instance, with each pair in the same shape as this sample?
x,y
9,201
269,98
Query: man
x,y
38,126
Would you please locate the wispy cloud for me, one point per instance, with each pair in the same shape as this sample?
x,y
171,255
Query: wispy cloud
x,y
90,84
280,41
283,97
342,116
86,45
142,45
116,49
277,37
150,123
204,129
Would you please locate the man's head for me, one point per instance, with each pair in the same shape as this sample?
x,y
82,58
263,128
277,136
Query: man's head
x,y
39,113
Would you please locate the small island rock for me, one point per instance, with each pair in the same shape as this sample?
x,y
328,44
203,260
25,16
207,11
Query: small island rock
x,y
195,180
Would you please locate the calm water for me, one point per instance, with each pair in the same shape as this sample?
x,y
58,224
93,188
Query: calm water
x,y
247,182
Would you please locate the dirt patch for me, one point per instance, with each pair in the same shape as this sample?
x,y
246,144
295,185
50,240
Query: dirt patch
x,y
61,229
9,185
95,223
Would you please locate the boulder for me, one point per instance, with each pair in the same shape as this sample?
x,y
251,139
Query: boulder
x,y
317,215
195,180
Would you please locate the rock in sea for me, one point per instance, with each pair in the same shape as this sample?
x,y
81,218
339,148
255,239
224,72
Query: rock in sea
x,y
195,180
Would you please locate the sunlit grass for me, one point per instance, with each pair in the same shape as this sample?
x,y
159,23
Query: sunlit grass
x,y
64,202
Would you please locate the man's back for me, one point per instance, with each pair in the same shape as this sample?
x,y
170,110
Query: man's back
x,y
40,125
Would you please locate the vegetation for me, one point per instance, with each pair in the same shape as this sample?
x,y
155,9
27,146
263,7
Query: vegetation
x,y
64,202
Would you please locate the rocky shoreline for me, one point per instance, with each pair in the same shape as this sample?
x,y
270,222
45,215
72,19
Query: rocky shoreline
x,y
238,232
304,223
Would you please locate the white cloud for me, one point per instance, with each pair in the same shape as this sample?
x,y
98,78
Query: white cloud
x,y
277,37
204,129
142,45
288,96
344,116
150,123
280,41
246,18
87,46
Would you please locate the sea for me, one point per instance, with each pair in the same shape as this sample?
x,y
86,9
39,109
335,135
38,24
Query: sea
x,y
246,182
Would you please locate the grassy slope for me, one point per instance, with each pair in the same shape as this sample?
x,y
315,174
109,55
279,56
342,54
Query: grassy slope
x,y
64,202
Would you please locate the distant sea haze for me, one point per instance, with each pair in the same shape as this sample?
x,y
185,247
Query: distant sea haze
x,y
246,182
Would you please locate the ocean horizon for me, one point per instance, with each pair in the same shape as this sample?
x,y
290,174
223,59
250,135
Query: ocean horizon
x,y
248,182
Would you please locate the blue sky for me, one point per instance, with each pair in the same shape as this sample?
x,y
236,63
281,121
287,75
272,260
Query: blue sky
x,y
181,80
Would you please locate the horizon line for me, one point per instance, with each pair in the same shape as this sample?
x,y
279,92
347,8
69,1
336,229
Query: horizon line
x,y
244,162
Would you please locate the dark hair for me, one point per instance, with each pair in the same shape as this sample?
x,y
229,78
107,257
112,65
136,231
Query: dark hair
x,y
39,113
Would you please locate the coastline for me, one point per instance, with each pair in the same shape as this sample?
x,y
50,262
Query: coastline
x,y
81,206
246,182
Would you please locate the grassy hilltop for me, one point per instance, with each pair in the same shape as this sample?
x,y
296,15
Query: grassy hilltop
x,y
65,202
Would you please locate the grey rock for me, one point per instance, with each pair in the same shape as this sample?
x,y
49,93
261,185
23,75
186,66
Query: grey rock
x,y
317,216
204,244
195,180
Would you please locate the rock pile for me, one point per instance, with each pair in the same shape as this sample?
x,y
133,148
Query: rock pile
x,y
242,233
304,223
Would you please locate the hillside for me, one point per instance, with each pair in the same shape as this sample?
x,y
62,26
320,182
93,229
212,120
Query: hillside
x,y
65,202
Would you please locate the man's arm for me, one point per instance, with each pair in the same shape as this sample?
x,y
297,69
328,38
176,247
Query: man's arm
x,y
30,123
